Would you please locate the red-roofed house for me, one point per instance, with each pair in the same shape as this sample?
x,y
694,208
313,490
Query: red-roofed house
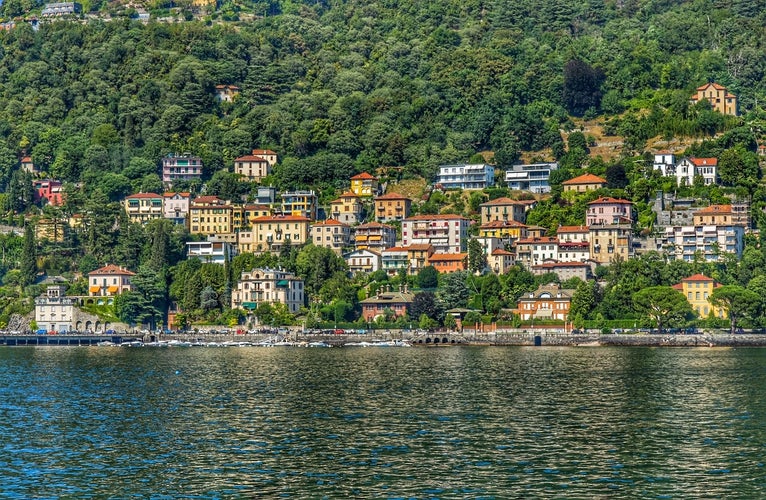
x,y
226,93
175,206
697,290
412,258
143,207
607,210
374,236
347,208
534,251
503,209
583,183
267,154
722,215
210,216
391,207
109,280
331,234
689,168
718,96
506,230
573,234
500,260
364,185
28,166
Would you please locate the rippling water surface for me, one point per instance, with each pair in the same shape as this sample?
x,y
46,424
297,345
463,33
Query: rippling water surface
x,y
386,423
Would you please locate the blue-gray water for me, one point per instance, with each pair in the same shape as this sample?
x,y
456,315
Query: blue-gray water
x,y
462,422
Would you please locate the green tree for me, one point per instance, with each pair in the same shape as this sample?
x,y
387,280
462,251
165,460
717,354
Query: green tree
x,y
738,302
428,278
664,305
28,257
477,259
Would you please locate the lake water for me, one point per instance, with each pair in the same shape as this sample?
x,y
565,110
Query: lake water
x,y
463,422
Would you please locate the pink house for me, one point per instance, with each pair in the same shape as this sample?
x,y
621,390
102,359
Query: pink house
x,y
607,210
50,191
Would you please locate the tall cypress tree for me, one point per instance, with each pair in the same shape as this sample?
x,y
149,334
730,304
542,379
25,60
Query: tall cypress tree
x,y
28,257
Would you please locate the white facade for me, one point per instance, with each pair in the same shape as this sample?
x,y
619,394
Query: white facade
x,y
532,177
268,286
363,261
683,242
53,311
687,169
475,176
211,252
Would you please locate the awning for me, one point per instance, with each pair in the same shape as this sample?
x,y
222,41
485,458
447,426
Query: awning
x,y
113,289
94,289
282,283
249,305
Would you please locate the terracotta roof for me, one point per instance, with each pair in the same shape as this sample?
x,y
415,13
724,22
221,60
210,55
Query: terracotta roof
x,y
609,201
418,247
447,257
714,209
678,286
26,159
329,222
500,251
698,277
391,196
263,152
713,84
502,201
170,194
207,199
572,229
704,162
349,194
395,249
544,239
111,269
436,217
233,87
362,176
142,195
251,158
585,179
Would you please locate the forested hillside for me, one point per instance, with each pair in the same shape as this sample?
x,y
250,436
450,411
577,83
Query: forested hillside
x,y
341,87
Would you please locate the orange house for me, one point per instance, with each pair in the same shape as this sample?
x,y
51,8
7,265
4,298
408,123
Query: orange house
x,y
449,262
391,207
364,185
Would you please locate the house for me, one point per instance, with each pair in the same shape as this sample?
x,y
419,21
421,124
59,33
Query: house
x,y
347,208
48,190
573,251
374,236
536,231
448,262
364,185
243,215
392,207
266,195
252,167
564,270
606,210
60,9
608,241
210,252
183,167
448,233
503,209
386,301
583,183
573,234
271,233
143,207
411,258
464,176
534,251
300,203
331,234
723,215
718,96
363,261
210,216
548,302
689,168
500,260
506,230
665,162
531,177
28,166
268,286
267,154
109,280
175,206
226,93
697,290
707,242
54,312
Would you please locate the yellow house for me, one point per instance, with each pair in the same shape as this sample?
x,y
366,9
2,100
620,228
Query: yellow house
x,y
504,229
583,183
271,233
718,96
502,209
391,207
243,215
210,215
347,208
364,185
697,290
143,207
